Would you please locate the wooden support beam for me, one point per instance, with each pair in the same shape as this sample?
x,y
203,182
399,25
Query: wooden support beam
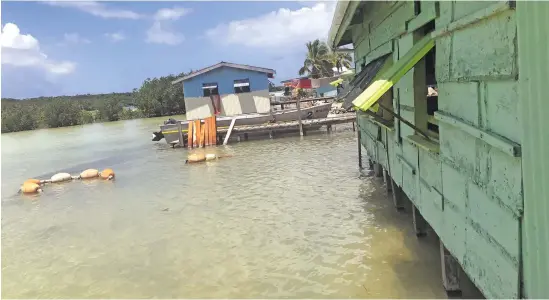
x,y
450,271
378,170
359,148
299,116
398,196
190,134
229,132
354,129
180,129
420,225
196,131
387,180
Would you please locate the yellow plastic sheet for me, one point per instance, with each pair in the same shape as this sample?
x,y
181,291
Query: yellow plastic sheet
x,y
392,74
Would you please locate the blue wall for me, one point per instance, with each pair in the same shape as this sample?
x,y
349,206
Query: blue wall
x,y
225,78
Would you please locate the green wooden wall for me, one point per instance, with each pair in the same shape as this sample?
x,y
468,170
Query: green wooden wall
x,y
469,186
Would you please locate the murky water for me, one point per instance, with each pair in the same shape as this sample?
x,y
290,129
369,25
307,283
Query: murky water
x,y
288,217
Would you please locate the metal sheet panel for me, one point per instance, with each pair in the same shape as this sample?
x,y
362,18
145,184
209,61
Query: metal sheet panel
x,y
533,49
362,81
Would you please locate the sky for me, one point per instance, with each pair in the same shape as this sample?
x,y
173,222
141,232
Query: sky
x,y
52,48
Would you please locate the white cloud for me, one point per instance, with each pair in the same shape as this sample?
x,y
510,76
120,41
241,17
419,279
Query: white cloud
x,y
23,50
284,28
158,33
115,36
171,13
98,9
75,38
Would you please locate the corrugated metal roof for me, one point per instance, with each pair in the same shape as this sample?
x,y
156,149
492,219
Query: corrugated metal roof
x,y
225,64
533,49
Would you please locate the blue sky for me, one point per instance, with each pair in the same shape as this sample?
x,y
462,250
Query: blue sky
x,y
66,48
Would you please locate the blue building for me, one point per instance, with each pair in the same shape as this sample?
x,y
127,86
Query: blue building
x,y
226,89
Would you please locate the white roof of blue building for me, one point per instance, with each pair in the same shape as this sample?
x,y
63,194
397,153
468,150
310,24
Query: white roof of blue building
x,y
270,72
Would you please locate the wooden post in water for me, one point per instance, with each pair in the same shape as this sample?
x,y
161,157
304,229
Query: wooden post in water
x,y
190,134
196,131
450,271
180,129
298,101
359,149
206,132
420,224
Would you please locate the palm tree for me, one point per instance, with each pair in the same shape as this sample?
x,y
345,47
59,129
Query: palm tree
x,y
340,60
317,64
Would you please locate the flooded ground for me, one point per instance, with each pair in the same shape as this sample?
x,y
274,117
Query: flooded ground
x,y
281,218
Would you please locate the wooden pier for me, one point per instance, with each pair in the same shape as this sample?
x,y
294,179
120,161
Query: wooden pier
x,y
224,133
291,125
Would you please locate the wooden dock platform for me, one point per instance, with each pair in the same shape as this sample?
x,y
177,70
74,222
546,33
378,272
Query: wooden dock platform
x,y
272,128
307,123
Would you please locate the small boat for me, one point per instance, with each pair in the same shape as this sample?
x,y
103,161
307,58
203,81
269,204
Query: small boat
x,y
170,131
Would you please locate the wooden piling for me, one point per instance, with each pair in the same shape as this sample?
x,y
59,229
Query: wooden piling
x,y
180,129
450,270
378,170
190,134
420,224
214,127
206,132
398,195
299,116
359,150
196,131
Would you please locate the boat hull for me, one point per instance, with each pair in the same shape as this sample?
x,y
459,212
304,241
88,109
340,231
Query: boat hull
x,y
170,132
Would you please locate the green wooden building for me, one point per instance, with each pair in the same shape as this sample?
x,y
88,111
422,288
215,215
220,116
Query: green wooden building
x,y
451,109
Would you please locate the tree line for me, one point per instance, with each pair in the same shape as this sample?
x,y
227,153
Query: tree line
x,y
156,97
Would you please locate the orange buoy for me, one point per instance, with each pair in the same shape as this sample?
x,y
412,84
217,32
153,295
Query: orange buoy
x,y
197,157
30,188
89,173
107,174
32,180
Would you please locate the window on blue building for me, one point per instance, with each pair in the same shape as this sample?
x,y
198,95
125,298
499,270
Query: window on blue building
x,y
241,86
209,89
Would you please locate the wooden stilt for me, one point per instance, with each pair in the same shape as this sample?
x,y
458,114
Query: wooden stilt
x,y
398,194
299,116
420,225
245,136
359,148
180,129
354,129
190,134
387,179
214,129
378,170
196,131
450,271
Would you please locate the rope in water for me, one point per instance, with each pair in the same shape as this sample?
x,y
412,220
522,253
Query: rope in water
x,y
33,186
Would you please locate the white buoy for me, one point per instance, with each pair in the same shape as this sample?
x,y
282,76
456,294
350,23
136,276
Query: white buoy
x,y
60,177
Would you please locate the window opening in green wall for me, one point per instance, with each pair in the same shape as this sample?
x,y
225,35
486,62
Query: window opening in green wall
x,y
430,99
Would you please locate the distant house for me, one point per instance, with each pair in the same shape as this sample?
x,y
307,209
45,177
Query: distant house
x,y
226,89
